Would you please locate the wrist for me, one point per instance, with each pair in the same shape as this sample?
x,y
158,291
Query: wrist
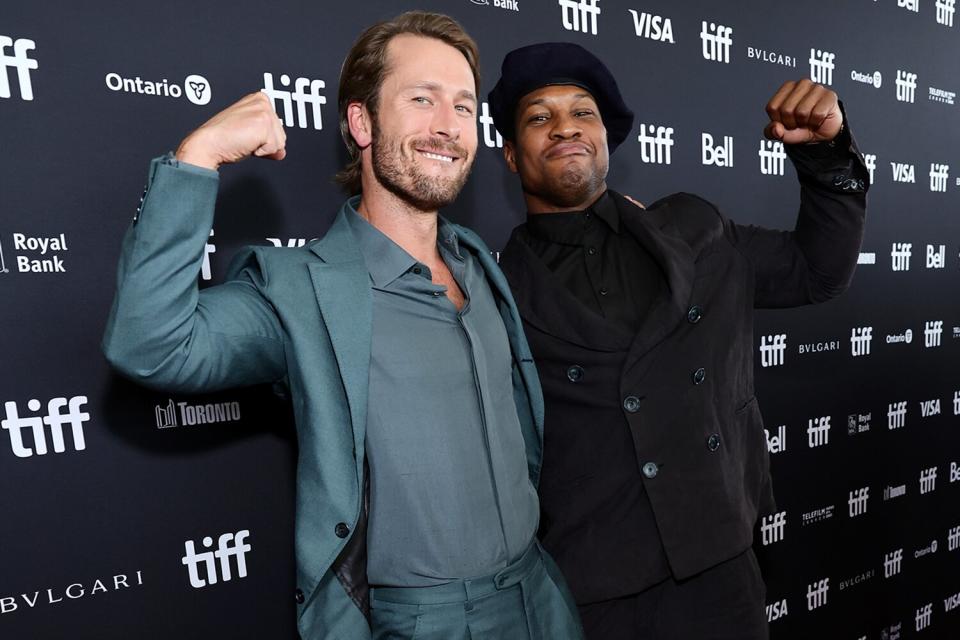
x,y
192,152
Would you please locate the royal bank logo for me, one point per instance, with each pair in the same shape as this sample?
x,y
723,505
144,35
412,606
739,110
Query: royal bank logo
x,y
37,254
306,92
818,432
777,443
37,426
821,66
509,5
860,339
904,173
874,79
777,610
932,332
655,143
923,616
817,515
892,563
928,480
772,158
195,88
953,539
870,159
857,501
892,632
858,423
930,408
719,155
900,256
936,256
75,591
772,350
906,86
942,96
894,492
817,594
171,415
909,5
896,415
580,15
773,528
491,137
717,40
652,27
939,175
945,11
202,567
19,60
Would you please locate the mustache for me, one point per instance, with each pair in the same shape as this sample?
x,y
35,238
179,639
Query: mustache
x,y
439,145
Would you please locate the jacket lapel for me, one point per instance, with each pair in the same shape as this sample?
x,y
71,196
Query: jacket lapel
x,y
341,284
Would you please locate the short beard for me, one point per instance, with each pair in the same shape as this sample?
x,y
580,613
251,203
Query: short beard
x,y
573,187
409,183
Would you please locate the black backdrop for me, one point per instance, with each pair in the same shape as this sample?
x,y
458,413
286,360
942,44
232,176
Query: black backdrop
x,y
95,533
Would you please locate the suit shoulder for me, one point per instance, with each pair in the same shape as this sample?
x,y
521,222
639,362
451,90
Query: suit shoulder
x,y
698,220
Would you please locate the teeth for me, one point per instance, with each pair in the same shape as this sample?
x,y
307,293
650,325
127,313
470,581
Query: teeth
x,y
434,156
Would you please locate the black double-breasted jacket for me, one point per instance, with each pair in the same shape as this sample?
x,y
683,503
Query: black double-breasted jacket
x,y
665,419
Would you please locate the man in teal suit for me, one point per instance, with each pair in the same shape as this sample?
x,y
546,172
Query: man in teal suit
x,y
418,409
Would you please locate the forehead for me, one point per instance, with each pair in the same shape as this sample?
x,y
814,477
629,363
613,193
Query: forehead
x,y
554,94
414,59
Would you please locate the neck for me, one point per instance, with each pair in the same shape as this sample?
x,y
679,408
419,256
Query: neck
x,y
539,204
413,229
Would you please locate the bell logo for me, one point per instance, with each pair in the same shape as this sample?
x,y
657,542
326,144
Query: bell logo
x,y
772,527
936,256
817,594
306,91
772,158
19,61
821,66
228,544
892,563
939,176
857,501
954,473
860,339
945,11
772,349
909,5
896,415
55,419
580,15
777,443
818,431
717,40
652,27
720,155
906,86
928,480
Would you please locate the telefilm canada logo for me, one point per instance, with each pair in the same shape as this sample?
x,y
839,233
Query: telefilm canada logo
x,y
194,88
180,414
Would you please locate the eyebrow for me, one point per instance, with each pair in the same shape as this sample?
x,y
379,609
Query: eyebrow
x,y
466,94
539,101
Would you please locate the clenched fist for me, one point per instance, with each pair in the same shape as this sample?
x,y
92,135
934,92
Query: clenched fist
x,y
247,127
801,112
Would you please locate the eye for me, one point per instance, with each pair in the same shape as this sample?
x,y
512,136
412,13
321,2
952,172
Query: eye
x,y
462,108
422,100
537,118
583,113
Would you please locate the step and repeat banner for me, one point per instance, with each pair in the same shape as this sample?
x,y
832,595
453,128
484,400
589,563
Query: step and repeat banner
x,y
134,514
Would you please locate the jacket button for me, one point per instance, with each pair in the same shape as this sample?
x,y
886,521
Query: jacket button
x,y
699,376
651,470
631,404
342,530
575,373
299,596
713,442
694,314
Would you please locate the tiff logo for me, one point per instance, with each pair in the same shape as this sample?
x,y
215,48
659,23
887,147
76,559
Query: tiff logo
x,y
945,11
931,333
716,41
870,159
892,563
228,545
900,253
936,257
305,92
906,86
19,61
655,143
924,614
953,539
817,594
818,431
652,27
292,243
208,249
55,419
928,480
772,527
930,408
939,175
896,415
821,66
580,15
491,137
857,501
772,157
860,339
720,155
956,403
772,349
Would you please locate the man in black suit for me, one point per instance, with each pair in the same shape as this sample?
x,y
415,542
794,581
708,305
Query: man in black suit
x,y
641,324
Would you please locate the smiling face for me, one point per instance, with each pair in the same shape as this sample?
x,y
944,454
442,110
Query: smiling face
x,y
560,149
424,137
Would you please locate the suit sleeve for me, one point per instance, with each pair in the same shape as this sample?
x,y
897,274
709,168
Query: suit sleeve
x,y
162,330
814,262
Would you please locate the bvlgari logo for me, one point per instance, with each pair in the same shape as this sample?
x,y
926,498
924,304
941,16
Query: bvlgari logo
x,y
74,591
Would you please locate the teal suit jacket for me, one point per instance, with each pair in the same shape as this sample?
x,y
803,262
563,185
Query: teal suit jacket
x,y
300,317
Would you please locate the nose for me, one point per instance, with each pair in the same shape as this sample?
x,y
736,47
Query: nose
x,y
564,126
446,122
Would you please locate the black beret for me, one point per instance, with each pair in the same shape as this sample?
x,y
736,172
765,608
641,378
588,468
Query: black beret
x,y
550,63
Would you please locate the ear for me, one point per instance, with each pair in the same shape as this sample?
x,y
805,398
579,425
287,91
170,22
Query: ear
x,y
359,121
509,154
